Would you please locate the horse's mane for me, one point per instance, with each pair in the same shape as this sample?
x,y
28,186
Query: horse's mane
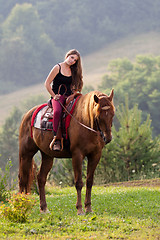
x,y
90,109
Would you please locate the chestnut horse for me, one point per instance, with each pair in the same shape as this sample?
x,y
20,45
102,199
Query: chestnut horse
x,y
95,110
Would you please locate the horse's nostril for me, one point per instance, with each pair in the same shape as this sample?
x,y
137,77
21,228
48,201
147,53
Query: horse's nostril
x,y
108,140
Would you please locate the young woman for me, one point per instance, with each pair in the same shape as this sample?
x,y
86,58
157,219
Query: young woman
x,y
66,79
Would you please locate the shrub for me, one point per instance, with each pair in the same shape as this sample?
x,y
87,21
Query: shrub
x,y
20,206
4,182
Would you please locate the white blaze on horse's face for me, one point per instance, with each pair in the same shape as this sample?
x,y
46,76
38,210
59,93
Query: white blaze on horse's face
x,y
105,108
106,122
105,114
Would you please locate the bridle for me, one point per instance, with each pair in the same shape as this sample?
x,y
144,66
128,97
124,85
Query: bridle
x,y
101,132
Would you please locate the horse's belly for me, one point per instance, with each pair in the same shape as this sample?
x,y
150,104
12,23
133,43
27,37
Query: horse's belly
x,y
43,139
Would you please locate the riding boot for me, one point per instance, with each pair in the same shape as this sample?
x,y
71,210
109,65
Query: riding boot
x,y
57,143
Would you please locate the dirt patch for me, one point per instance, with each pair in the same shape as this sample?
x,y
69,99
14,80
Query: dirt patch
x,y
138,183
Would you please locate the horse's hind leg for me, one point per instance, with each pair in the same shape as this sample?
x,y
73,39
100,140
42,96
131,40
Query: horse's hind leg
x,y
46,166
26,166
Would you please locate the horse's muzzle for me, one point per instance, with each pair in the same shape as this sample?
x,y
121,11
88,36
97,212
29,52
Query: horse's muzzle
x,y
107,139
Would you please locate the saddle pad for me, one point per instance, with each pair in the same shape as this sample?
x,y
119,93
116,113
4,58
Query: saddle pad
x,y
37,115
38,119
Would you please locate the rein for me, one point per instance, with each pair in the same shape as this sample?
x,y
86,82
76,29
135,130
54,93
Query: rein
x,y
71,114
83,125
91,129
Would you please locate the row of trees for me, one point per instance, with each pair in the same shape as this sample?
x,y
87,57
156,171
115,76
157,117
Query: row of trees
x,y
132,154
35,34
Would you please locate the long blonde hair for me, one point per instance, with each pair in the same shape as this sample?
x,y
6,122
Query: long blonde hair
x,y
76,70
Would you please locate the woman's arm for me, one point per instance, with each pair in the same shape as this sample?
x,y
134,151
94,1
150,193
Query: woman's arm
x,y
50,78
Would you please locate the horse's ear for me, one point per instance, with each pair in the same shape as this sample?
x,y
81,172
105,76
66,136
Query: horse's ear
x,y
111,95
96,99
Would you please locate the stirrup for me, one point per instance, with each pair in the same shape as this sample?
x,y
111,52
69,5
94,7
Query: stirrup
x,y
52,143
57,145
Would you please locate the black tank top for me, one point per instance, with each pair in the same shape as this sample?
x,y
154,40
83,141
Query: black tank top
x,y
61,79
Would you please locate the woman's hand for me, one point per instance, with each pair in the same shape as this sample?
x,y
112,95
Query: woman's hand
x,y
57,97
70,98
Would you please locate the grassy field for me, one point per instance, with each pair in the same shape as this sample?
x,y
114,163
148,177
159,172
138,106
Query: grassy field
x,y
118,213
94,67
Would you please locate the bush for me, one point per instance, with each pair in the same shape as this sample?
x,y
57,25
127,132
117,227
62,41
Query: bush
x,y
20,205
5,190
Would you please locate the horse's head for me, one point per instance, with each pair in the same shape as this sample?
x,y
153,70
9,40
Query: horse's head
x,y
104,114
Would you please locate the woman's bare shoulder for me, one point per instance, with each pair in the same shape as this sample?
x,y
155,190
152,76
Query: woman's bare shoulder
x,y
55,69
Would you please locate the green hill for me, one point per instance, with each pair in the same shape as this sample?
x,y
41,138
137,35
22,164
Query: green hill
x,y
95,64
94,67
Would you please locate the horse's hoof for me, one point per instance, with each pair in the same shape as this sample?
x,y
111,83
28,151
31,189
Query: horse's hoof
x,y
80,212
45,211
88,210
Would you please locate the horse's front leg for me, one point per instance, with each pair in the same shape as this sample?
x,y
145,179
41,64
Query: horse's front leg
x,y
46,166
77,160
93,160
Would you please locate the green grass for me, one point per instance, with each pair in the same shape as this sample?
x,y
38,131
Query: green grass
x,y
118,213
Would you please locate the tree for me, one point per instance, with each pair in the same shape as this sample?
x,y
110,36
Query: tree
x,y
10,131
26,52
132,153
35,34
9,139
140,80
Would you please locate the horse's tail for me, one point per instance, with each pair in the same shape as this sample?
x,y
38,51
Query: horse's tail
x,y
27,174
27,149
